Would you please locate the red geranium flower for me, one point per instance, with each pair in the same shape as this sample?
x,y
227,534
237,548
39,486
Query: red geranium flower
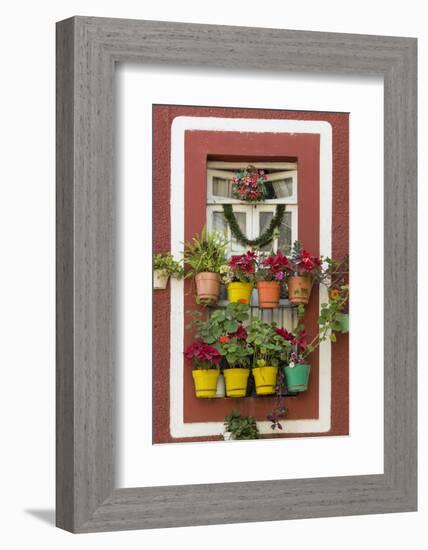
x,y
244,262
224,339
300,341
307,263
240,334
285,334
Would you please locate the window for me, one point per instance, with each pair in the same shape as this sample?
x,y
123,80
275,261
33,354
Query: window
x,y
254,218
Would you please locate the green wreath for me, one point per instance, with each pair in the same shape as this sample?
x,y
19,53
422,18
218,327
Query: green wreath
x,y
265,238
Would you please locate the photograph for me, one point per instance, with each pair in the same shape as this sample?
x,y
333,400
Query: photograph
x,y
251,306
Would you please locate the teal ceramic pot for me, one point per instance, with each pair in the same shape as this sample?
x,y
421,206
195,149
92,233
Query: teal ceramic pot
x,y
343,322
297,377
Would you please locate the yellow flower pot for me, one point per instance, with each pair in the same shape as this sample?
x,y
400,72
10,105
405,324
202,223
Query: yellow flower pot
x,y
265,379
239,292
205,381
236,382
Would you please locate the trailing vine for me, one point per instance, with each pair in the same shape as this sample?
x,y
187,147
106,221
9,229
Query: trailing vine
x,y
265,238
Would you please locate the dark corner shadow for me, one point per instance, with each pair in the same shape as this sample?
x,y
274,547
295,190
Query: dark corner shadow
x,y
43,514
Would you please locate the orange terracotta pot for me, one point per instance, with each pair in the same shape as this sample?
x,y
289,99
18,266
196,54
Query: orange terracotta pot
x,y
207,287
269,292
299,289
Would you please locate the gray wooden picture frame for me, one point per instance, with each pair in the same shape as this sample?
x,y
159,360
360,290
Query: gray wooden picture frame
x,y
87,50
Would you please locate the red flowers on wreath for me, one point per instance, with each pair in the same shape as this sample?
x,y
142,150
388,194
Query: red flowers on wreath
x,y
202,354
248,184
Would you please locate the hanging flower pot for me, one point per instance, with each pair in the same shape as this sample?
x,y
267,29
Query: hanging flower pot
x,y
342,320
164,267
299,289
239,292
265,379
206,359
205,381
297,377
160,279
269,293
236,382
207,287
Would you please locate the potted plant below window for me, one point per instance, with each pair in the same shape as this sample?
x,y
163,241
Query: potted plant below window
x,y
205,360
270,274
164,267
238,275
297,370
268,347
304,268
240,427
205,255
237,352
330,323
225,331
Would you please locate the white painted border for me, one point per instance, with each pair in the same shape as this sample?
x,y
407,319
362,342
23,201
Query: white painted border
x,y
178,427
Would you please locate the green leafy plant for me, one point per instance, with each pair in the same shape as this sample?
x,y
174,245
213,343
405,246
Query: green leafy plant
x,y
235,350
225,331
331,319
241,427
222,322
167,265
269,347
205,253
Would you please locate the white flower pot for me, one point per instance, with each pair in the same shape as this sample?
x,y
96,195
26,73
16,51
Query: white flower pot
x,y
160,281
227,436
221,389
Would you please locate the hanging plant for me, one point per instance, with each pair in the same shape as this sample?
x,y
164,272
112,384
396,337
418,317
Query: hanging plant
x,y
265,238
249,185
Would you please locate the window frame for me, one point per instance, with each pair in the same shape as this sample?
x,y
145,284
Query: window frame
x,y
214,199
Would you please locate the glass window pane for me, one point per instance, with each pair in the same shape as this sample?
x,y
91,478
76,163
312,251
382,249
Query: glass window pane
x,y
284,241
264,221
222,187
219,222
236,247
283,188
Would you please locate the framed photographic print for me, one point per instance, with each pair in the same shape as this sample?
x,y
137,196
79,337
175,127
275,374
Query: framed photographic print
x,y
236,274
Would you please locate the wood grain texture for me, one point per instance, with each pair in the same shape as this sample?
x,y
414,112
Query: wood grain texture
x,y
87,49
